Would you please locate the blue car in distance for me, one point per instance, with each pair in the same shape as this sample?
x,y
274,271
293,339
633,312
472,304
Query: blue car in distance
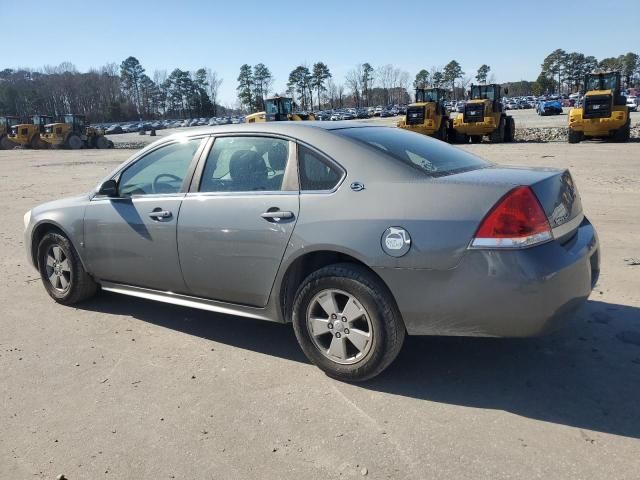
x,y
549,107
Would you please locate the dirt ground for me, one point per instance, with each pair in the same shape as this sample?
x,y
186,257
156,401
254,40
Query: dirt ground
x,y
125,388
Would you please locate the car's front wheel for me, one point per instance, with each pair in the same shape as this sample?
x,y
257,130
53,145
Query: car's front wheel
x,y
63,276
347,323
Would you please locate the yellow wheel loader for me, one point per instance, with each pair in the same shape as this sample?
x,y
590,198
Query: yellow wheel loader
x,y
603,112
483,115
428,114
6,123
28,134
74,133
278,109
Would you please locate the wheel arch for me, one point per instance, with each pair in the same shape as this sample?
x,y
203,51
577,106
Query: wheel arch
x,y
304,265
38,233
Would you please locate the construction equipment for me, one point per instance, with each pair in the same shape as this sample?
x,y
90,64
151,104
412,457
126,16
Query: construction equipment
x,y
28,134
74,133
603,112
483,115
278,109
5,128
428,114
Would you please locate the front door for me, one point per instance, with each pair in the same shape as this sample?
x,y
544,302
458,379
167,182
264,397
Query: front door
x,y
132,239
234,228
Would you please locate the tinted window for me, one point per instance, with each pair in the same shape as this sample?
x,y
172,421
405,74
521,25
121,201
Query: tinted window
x,y
430,156
316,173
245,164
161,171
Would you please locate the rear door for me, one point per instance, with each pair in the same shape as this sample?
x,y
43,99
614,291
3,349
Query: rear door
x,y
237,219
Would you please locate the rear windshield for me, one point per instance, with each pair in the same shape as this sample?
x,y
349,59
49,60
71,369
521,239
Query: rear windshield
x,y
433,157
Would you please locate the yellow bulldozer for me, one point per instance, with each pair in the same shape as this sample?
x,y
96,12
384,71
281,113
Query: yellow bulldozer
x,y
428,114
28,134
6,123
278,109
74,133
603,112
483,114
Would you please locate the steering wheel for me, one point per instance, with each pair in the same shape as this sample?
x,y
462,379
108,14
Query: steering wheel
x,y
156,181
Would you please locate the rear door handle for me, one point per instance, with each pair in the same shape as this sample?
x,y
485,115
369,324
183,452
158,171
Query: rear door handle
x,y
160,214
277,215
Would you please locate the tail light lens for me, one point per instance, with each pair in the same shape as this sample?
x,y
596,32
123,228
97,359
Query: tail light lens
x,y
516,221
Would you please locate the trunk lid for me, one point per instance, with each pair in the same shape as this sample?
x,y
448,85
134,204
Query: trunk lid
x,y
555,188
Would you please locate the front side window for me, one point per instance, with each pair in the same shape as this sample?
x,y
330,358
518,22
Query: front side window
x,y
160,171
315,172
245,164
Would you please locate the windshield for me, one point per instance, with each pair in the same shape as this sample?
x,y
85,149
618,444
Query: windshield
x,y
483,91
606,81
284,104
68,119
427,96
425,154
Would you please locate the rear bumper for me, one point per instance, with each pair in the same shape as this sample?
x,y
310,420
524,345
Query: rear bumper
x,y
516,293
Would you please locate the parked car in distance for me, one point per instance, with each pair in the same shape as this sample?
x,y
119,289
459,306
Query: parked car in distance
x,y
265,220
632,104
549,107
113,130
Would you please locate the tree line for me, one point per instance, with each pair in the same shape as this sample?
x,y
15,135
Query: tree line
x,y
110,93
124,92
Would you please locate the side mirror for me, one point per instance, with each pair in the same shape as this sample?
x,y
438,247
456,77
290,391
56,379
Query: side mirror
x,y
109,188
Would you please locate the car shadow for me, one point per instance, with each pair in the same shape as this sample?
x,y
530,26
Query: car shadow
x,y
587,375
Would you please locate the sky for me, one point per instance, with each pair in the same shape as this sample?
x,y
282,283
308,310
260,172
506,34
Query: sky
x,y
512,37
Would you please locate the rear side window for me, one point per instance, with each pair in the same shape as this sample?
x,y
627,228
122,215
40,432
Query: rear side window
x,y
432,157
315,172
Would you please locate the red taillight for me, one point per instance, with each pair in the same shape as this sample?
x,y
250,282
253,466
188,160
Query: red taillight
x,y
516,221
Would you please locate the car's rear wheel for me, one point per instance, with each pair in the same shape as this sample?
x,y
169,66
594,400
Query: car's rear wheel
x,y
63,276
347,323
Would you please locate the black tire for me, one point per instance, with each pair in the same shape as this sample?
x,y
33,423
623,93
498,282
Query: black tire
x,y
74,142
101,142
623,133
34,143
575,136
497,136
5,143
476,138
443,133
387,328
79,284
457,137
510,129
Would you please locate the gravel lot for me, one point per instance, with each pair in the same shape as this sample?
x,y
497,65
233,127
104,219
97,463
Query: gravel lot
x,y
125,388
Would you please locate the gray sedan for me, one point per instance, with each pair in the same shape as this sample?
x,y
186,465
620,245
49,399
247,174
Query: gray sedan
x,y
356,234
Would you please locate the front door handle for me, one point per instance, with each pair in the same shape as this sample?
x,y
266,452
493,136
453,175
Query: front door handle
x,y
276,215
160,214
